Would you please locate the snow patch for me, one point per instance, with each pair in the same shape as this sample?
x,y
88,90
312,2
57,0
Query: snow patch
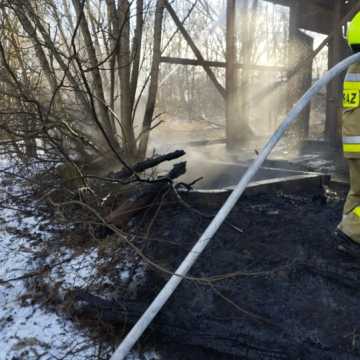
x,y
28,331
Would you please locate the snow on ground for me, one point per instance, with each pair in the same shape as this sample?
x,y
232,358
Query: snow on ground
x,y
29,331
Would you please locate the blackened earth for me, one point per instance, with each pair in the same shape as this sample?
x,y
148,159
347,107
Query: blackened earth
x,y
276,287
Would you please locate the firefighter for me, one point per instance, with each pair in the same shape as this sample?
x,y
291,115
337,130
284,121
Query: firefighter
x,y
349,228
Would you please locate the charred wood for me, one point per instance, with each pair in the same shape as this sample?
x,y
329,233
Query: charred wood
x,y
148,164
143,195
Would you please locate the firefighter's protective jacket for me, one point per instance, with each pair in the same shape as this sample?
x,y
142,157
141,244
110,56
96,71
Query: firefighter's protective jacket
x,y
350,224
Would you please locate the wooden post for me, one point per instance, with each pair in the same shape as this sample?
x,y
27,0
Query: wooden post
x,y
293,58
300,49
308,45
231,50
303,81
237,102
246,38
337,51
292,82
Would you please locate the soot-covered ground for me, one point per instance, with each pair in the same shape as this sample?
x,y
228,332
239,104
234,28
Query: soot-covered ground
x,y
271,285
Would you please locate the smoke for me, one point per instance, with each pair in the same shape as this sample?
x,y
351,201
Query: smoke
x,y
189,103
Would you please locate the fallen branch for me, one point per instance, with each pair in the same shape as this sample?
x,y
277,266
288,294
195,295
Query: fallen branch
x,y
148,164
142,196
42,271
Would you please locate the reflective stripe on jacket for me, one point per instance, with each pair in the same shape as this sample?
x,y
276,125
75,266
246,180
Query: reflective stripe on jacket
x,y
351,113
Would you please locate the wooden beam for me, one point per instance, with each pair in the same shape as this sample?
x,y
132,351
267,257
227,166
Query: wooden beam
x,y
314,17
300,48
192,62
337,51
220,64
195,49
230,105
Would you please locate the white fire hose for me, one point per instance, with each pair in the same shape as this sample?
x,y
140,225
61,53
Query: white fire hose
x,y
148,316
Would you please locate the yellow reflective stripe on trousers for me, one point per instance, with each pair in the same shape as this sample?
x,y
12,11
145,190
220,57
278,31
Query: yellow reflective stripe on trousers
x,y
351,144
351,148
356,211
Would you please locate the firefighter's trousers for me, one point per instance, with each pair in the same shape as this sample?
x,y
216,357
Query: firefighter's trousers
x,y
350,224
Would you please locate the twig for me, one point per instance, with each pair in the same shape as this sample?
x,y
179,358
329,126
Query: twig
x,y
45,269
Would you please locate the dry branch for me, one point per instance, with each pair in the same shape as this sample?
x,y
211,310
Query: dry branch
x,y
143,195
148,164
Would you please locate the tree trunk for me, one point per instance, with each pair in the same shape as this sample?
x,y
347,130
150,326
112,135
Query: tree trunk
x,y
95,72
124,64
136,51
150,105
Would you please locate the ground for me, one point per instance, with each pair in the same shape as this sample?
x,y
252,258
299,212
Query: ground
x,y
271,285
277,288
31,328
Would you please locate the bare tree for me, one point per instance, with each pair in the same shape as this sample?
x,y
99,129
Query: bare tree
x,y
86,62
